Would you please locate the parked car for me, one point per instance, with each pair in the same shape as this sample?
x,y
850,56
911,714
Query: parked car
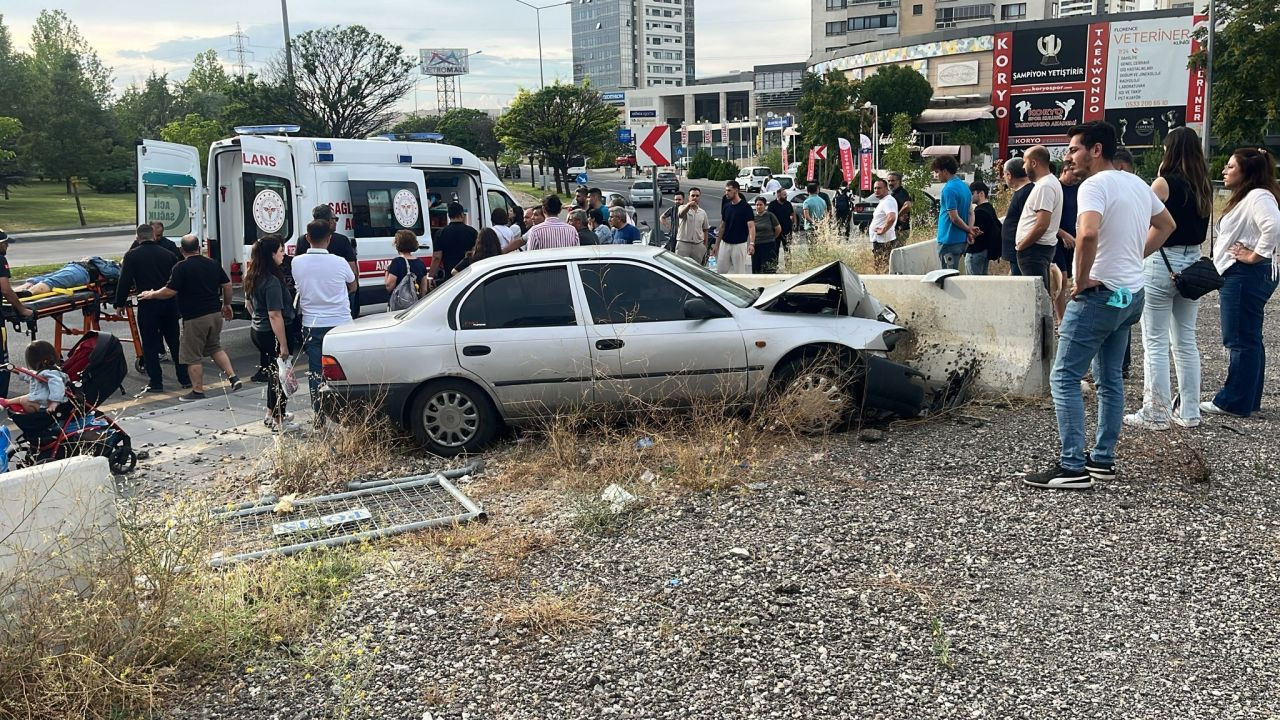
x,y
753,177
515,338
624,160
683,163
572,173
642,192
668,182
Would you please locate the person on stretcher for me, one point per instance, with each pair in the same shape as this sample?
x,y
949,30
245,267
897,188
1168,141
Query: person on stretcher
x,y
48,388
74,274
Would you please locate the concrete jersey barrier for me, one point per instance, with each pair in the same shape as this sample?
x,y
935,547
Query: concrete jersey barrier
x,y
56,521
1000,326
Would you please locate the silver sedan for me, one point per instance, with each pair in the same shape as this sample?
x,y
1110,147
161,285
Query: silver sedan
x,y
514,338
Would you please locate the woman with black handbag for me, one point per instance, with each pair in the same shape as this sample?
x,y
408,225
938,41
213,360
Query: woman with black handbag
x,y
1248,237
1168,317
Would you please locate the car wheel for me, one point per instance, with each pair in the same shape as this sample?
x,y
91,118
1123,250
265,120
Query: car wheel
x,y
818,393
451,417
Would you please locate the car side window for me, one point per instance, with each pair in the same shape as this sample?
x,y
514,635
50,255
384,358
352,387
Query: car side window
x,y
536,297
623,293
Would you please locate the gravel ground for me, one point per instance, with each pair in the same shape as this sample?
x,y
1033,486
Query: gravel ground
x,y
911,577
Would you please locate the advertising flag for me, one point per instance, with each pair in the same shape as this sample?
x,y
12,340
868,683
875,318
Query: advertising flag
x,y
846,159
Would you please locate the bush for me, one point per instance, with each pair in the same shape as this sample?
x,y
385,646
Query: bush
x,y
722,170
116,174
700,165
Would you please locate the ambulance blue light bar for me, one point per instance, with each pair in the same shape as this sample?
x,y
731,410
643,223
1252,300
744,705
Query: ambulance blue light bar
x,y
406,159
323,145
420,137
324,157
455,161
267,129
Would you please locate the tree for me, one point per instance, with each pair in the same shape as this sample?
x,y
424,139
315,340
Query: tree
x,y
10,129
896,89
417,124
977,134
207,89
14,86
196,131
142,111
348,79
825,102
557,122
66,118
1246,76
471,130
915,176
256,101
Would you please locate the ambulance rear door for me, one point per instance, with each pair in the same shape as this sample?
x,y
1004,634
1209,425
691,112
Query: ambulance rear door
x,y
268,190
170,187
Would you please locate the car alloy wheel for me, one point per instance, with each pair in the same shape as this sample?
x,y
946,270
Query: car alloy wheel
x,y
828,396
450,418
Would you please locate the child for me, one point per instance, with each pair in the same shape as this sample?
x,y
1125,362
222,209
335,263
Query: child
x,y
48,390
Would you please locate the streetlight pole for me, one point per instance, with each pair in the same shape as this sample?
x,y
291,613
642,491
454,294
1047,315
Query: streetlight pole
x,y
288,45
1208,80
542,81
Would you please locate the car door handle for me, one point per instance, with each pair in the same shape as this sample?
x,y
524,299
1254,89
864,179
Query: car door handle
x,y
609,344
475,350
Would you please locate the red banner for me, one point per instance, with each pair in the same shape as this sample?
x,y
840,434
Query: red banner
x,y
864,172
706,134
812,161
784,155
1001,81
846,160
1196,82
1095,71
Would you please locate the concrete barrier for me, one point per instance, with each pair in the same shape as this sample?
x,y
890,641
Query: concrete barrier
x,y
916,259
1002,325
56,520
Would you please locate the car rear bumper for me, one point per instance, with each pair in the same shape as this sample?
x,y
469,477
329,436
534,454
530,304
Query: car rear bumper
x,y
391,400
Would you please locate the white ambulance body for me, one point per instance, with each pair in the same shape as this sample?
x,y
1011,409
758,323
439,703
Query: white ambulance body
x,y
259,184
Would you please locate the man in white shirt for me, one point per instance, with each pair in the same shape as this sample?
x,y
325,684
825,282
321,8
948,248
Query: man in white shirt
x,y
1041,217
883,224
1120,222
323,282
771,187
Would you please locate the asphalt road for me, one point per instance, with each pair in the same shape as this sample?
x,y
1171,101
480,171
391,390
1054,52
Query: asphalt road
x,y
42,252
712,192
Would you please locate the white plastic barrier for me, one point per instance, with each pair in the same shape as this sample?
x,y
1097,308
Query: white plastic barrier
x,y
916,259
56,520
1001,325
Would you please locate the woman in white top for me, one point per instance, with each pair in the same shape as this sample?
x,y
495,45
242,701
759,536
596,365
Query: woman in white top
x,y
508,232
1248,237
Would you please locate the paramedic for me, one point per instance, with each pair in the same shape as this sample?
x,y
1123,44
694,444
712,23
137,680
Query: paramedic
x,y
148,267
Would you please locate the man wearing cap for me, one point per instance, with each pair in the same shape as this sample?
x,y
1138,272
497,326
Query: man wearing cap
x,y
339,244
11,297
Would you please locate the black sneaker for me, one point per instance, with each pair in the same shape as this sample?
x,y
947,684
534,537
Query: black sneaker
x,y
260,376
236,383
1100,471
193,395
1060,478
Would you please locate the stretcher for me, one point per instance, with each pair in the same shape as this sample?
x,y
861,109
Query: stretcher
x,y
91,300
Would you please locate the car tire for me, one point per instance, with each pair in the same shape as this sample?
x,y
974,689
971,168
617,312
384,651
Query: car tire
x,y
840,380
451,417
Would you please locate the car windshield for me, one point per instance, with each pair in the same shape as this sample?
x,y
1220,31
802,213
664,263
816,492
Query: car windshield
x,y
722,287
643,185
666,176
760,172
784,181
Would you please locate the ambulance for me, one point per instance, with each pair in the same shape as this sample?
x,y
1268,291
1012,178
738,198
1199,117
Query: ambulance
x,y
266,181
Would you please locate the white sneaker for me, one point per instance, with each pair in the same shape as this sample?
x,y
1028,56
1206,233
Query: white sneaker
x,y
1139,420
1182,422
1211,409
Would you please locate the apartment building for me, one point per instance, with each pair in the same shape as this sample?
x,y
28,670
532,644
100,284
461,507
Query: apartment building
x,y
633,44
840,24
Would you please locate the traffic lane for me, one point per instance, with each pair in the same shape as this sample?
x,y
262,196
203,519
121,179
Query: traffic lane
x,y
712,195
48,252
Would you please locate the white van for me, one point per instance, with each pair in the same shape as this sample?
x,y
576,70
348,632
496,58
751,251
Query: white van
x,y
263,181
752,177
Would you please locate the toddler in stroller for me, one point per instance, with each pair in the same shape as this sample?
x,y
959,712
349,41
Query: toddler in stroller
x,y
54,428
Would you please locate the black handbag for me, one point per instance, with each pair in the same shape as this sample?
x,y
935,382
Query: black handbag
x,y
1196,280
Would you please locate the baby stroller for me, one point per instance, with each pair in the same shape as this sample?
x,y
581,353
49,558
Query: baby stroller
x,y
96,367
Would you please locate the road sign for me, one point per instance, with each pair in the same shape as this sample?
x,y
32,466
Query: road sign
x,y
819,152
624,135
581,179
654,148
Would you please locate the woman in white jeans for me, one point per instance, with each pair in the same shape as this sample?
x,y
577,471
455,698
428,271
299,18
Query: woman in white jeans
x,y
1168,319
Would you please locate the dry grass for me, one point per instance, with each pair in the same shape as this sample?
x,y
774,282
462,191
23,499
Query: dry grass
x,y
152,613
546,613
498,550
364,442
826,244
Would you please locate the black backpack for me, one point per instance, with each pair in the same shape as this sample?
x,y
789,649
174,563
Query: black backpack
x,y
842,203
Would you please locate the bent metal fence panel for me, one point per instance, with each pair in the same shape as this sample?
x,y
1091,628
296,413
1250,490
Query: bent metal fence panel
x,y
367,511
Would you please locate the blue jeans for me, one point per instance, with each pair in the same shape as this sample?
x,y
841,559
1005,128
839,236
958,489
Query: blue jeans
x,y
313,343
949,255
1090,327
1245,291
71,275
1169,320
976,263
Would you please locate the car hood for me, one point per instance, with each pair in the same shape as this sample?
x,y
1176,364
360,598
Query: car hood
x,y
845,294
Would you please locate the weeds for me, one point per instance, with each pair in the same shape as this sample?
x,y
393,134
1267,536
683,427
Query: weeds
x,y
941,641
146,614
826,244
346,665
499,550
546,613
595,516
365,442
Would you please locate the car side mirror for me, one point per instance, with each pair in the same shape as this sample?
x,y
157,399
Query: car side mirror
x,y
699,309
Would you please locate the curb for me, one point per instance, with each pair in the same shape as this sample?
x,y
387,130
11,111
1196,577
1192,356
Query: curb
x,y
36,236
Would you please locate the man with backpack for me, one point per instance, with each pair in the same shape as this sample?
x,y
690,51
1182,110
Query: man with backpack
x,y
844,210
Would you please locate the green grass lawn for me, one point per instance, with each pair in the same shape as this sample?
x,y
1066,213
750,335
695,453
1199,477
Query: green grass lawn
x,y
44,206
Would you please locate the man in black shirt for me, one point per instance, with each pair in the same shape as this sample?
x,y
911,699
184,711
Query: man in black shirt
x,y
157,233
785,213
453,242
1015,176
736,237
6,289
204,301
148,266
340,245
903,198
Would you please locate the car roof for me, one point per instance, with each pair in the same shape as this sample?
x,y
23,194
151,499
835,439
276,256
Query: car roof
x,y
582,252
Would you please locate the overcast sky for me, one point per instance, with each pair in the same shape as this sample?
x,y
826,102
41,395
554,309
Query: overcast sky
x,y
135,37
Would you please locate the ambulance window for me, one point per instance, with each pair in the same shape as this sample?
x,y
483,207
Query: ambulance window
x,y
267,207
171,205
380,208
498,200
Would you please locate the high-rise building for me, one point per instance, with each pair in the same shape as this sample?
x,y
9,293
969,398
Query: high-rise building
x,y
626,44
838,24
1072,8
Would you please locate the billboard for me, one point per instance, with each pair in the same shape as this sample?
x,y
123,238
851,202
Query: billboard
x,y
1132,74
443,61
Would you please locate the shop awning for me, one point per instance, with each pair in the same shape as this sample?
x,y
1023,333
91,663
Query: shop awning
x,y
946,115
941,151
